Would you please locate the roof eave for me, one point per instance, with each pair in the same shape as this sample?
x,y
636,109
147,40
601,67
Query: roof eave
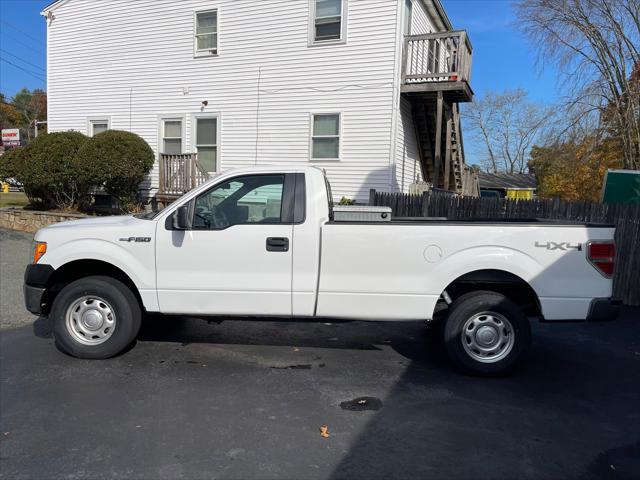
x,y
443,14
52,6
435,7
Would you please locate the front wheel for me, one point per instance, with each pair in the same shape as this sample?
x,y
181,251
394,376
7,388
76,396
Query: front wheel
x,y
95,317
486,334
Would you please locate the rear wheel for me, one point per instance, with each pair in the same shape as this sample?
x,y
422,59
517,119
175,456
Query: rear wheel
x,y
95,317
486,333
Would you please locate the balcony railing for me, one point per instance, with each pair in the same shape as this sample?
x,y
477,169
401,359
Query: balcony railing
x,y
180,173
437,61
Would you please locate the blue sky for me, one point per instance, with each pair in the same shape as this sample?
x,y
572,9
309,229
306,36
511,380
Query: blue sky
x,y
23,44
502,58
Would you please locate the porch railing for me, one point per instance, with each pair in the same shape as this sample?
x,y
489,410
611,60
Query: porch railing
x,y
437,57
180,173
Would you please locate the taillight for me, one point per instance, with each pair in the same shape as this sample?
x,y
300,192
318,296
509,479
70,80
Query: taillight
x,y
602,255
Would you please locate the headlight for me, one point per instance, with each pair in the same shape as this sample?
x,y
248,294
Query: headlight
x,y
39,249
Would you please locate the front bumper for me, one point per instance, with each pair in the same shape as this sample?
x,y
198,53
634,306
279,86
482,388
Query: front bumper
x,y
36,280
34,299
603,309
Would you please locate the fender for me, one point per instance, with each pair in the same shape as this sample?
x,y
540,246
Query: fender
x,y
135,259
486,257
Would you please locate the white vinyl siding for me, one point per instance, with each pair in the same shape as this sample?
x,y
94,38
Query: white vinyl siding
x,y
325,136
133,61
206,32
420,21
407,161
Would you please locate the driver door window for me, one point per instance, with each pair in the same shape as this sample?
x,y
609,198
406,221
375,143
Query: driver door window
x,y
255,199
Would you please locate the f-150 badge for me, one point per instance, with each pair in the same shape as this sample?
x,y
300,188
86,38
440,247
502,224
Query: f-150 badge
x,y
558,246
136,239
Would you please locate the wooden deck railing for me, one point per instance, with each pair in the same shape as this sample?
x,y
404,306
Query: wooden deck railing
x,y
180,173
437,57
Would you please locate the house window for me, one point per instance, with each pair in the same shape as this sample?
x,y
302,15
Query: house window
x,y
98,126
206,32
172,136
328,24
206,142
325,136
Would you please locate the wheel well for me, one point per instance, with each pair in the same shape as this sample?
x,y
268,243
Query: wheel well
x,y
508,284
78,269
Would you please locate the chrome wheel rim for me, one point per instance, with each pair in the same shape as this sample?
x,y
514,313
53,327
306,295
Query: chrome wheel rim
x,y
488,337
90,320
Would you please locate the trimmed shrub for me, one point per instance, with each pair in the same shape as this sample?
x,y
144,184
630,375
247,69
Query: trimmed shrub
x,y
10,164
117,161
46,170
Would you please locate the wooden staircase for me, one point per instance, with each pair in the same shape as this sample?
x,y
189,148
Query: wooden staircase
x,y
440,144
435,79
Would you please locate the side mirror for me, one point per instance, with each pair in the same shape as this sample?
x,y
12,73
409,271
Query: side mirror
x,y
180,218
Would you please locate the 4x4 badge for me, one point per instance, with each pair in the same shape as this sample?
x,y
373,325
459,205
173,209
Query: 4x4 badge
x,y
558,246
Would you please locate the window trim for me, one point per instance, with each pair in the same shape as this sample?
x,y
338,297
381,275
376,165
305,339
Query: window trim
x,y
194,135
312,42
312,115
206,53
97,119
183,131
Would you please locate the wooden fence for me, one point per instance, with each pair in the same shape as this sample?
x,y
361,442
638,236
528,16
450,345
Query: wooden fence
x,y
626,218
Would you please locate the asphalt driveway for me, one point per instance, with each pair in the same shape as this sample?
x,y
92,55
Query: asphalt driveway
x,y
246,399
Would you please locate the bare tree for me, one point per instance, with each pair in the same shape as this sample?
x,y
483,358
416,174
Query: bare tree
x,y
480,120
596,45
508,124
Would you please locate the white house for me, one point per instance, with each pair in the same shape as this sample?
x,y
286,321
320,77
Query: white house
x,y
366,89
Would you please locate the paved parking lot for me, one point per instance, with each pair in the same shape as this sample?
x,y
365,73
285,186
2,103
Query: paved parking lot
x,y
246,399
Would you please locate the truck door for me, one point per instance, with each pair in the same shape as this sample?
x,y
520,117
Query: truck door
x,y
236,258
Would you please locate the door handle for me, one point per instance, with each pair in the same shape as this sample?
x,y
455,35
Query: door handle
x,y
277,244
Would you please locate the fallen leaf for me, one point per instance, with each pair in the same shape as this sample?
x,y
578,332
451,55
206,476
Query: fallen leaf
x,y
324,431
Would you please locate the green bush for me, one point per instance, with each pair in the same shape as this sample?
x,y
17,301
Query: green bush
x,y
117,161
10,164
46,169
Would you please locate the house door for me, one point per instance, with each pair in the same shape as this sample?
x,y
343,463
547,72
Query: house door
x,y
236,258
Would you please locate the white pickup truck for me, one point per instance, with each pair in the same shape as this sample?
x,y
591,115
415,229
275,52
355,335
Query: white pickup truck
x,y
263,241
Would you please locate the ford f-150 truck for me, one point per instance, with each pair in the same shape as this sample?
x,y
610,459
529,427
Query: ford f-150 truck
x,y
263,241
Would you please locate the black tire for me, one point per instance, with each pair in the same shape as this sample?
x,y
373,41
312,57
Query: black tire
x,y
516,332
119,298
